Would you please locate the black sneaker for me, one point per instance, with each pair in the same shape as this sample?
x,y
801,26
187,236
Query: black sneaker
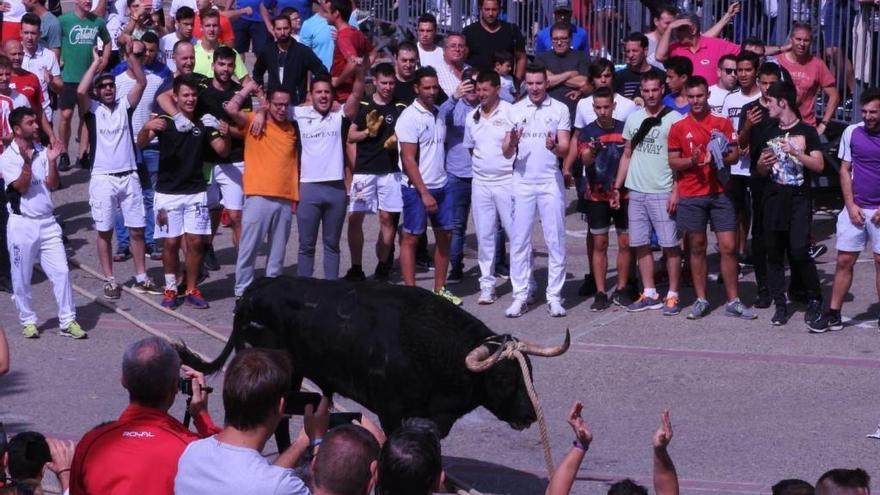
x,y
84,163
63,162
621,297
764,300
455,275
355,274
588,288
600,302
798,296
834,320
502,271
383,271
816,250
780,316
814,317
209,260
424,264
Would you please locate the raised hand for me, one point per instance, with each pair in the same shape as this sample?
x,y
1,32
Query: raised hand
x,y
579,425
663,435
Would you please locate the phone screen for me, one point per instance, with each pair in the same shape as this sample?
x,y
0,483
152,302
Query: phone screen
x,y
295,402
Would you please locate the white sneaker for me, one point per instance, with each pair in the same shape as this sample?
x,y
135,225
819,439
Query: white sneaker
x,y
876,434
516,309
555,308
487,296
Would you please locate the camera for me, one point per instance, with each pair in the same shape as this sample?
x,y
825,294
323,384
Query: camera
x,y
184,385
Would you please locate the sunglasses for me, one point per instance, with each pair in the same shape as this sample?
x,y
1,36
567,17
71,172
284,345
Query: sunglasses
x,y
106,85
729,71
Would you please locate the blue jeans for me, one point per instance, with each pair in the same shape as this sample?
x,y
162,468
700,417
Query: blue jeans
x,y
460,189
249,34
151,162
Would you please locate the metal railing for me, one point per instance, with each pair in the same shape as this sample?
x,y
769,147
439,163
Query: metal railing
x,y
846,34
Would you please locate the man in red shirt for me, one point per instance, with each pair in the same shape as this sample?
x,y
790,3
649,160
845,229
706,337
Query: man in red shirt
x,y
351,47
694,153
138,452
27,84
704,52
809,74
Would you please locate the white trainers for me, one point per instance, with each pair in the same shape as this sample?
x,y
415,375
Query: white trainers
x,y
487,296
516,309
555,309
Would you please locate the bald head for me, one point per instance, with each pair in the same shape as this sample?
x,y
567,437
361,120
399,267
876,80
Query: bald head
x,y
15,51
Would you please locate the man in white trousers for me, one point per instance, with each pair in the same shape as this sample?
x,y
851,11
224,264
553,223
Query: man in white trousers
x,y
492,186
538,139
29,170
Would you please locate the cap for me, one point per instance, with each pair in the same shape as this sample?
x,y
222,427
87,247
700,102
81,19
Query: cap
x,y
561,5
102,76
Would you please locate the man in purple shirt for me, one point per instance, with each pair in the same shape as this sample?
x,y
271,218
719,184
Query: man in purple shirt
x,y
858,225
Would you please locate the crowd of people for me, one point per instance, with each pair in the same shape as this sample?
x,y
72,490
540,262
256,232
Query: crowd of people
x,y
694,132
148,451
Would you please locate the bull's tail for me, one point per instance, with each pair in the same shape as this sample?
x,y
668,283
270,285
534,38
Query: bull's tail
x,y
194,361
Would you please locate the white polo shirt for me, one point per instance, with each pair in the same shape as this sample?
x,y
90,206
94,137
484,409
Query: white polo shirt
x,y
166,49
321,139
485,137
37,201
114,148
43,59
534,162
418,125
584,115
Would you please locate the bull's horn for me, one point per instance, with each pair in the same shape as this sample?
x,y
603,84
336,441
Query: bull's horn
x,y
545,351
481,359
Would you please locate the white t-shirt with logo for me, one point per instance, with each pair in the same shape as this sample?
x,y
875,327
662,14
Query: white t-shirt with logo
x,y
584,114
166,49
534,162
717,95
37,201
418,125
732,109
321,139
209,467
43,59
485,136
114,148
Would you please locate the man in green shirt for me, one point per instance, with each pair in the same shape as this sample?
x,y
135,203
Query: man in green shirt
x,y
80,31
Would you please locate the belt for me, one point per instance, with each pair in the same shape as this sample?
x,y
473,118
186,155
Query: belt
x,y
121,174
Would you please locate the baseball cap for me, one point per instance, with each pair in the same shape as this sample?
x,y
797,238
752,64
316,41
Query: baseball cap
x,y
561,5
104,75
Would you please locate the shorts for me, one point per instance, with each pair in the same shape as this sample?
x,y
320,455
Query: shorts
x,y
854,239
107,193
187,214
600,216
646,212
67,99
738,192
226,187
695,213
415,217
371,193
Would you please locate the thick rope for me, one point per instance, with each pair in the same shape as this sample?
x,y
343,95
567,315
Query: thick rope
x,y
514,350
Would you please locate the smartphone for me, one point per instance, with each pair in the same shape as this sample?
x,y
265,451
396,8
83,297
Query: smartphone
x,y
338,419
295,402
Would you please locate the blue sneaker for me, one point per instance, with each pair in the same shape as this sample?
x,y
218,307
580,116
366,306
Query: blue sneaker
x,y
645,303
698,310
194,299
737,309
170,300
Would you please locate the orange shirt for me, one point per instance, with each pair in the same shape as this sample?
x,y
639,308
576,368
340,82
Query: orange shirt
x,y
271,166
227,35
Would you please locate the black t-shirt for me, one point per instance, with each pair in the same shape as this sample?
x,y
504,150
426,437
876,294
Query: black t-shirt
x,y
787,171
405,92
213,101
573,60
482,44
372,157
628,82
181,158
755,132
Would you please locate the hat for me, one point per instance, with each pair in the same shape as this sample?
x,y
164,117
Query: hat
x,y
561,5
102,76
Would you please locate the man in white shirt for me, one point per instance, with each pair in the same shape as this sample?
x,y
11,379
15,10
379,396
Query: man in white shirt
x,y
32,232
421,134
40,60
726,84
538,139
231,462
185,19
453,64
492,186
430,55
114,182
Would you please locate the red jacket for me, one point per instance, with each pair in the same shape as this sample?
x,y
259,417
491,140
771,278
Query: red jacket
x,y
137,453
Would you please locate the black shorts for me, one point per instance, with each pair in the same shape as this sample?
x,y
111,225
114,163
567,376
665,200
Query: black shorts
x,y
600,217
693,214
738,192
67,98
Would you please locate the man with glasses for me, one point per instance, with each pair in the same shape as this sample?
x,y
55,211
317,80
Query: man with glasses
x,y
450,71
566,68
562,14
114,182
726,84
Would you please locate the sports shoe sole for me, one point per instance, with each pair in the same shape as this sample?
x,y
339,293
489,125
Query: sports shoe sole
x,y
667,312
740,316
71,336
645,308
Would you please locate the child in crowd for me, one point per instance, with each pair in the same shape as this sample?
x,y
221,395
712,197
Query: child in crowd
x,y
503,61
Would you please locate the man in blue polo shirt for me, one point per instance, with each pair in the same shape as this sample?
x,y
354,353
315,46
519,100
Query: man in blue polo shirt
x,y
562,13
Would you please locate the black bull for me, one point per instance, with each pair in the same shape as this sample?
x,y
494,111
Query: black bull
x,y
401,352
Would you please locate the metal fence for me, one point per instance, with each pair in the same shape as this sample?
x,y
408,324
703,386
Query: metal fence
x,y
846,33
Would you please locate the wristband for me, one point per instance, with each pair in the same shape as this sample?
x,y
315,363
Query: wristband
x,y
581,446
65,470
314,443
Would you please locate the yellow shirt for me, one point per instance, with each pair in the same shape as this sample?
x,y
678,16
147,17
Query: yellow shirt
x,y
205,61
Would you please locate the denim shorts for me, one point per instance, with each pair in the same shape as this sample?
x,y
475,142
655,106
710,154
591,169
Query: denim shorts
x,y
415,217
